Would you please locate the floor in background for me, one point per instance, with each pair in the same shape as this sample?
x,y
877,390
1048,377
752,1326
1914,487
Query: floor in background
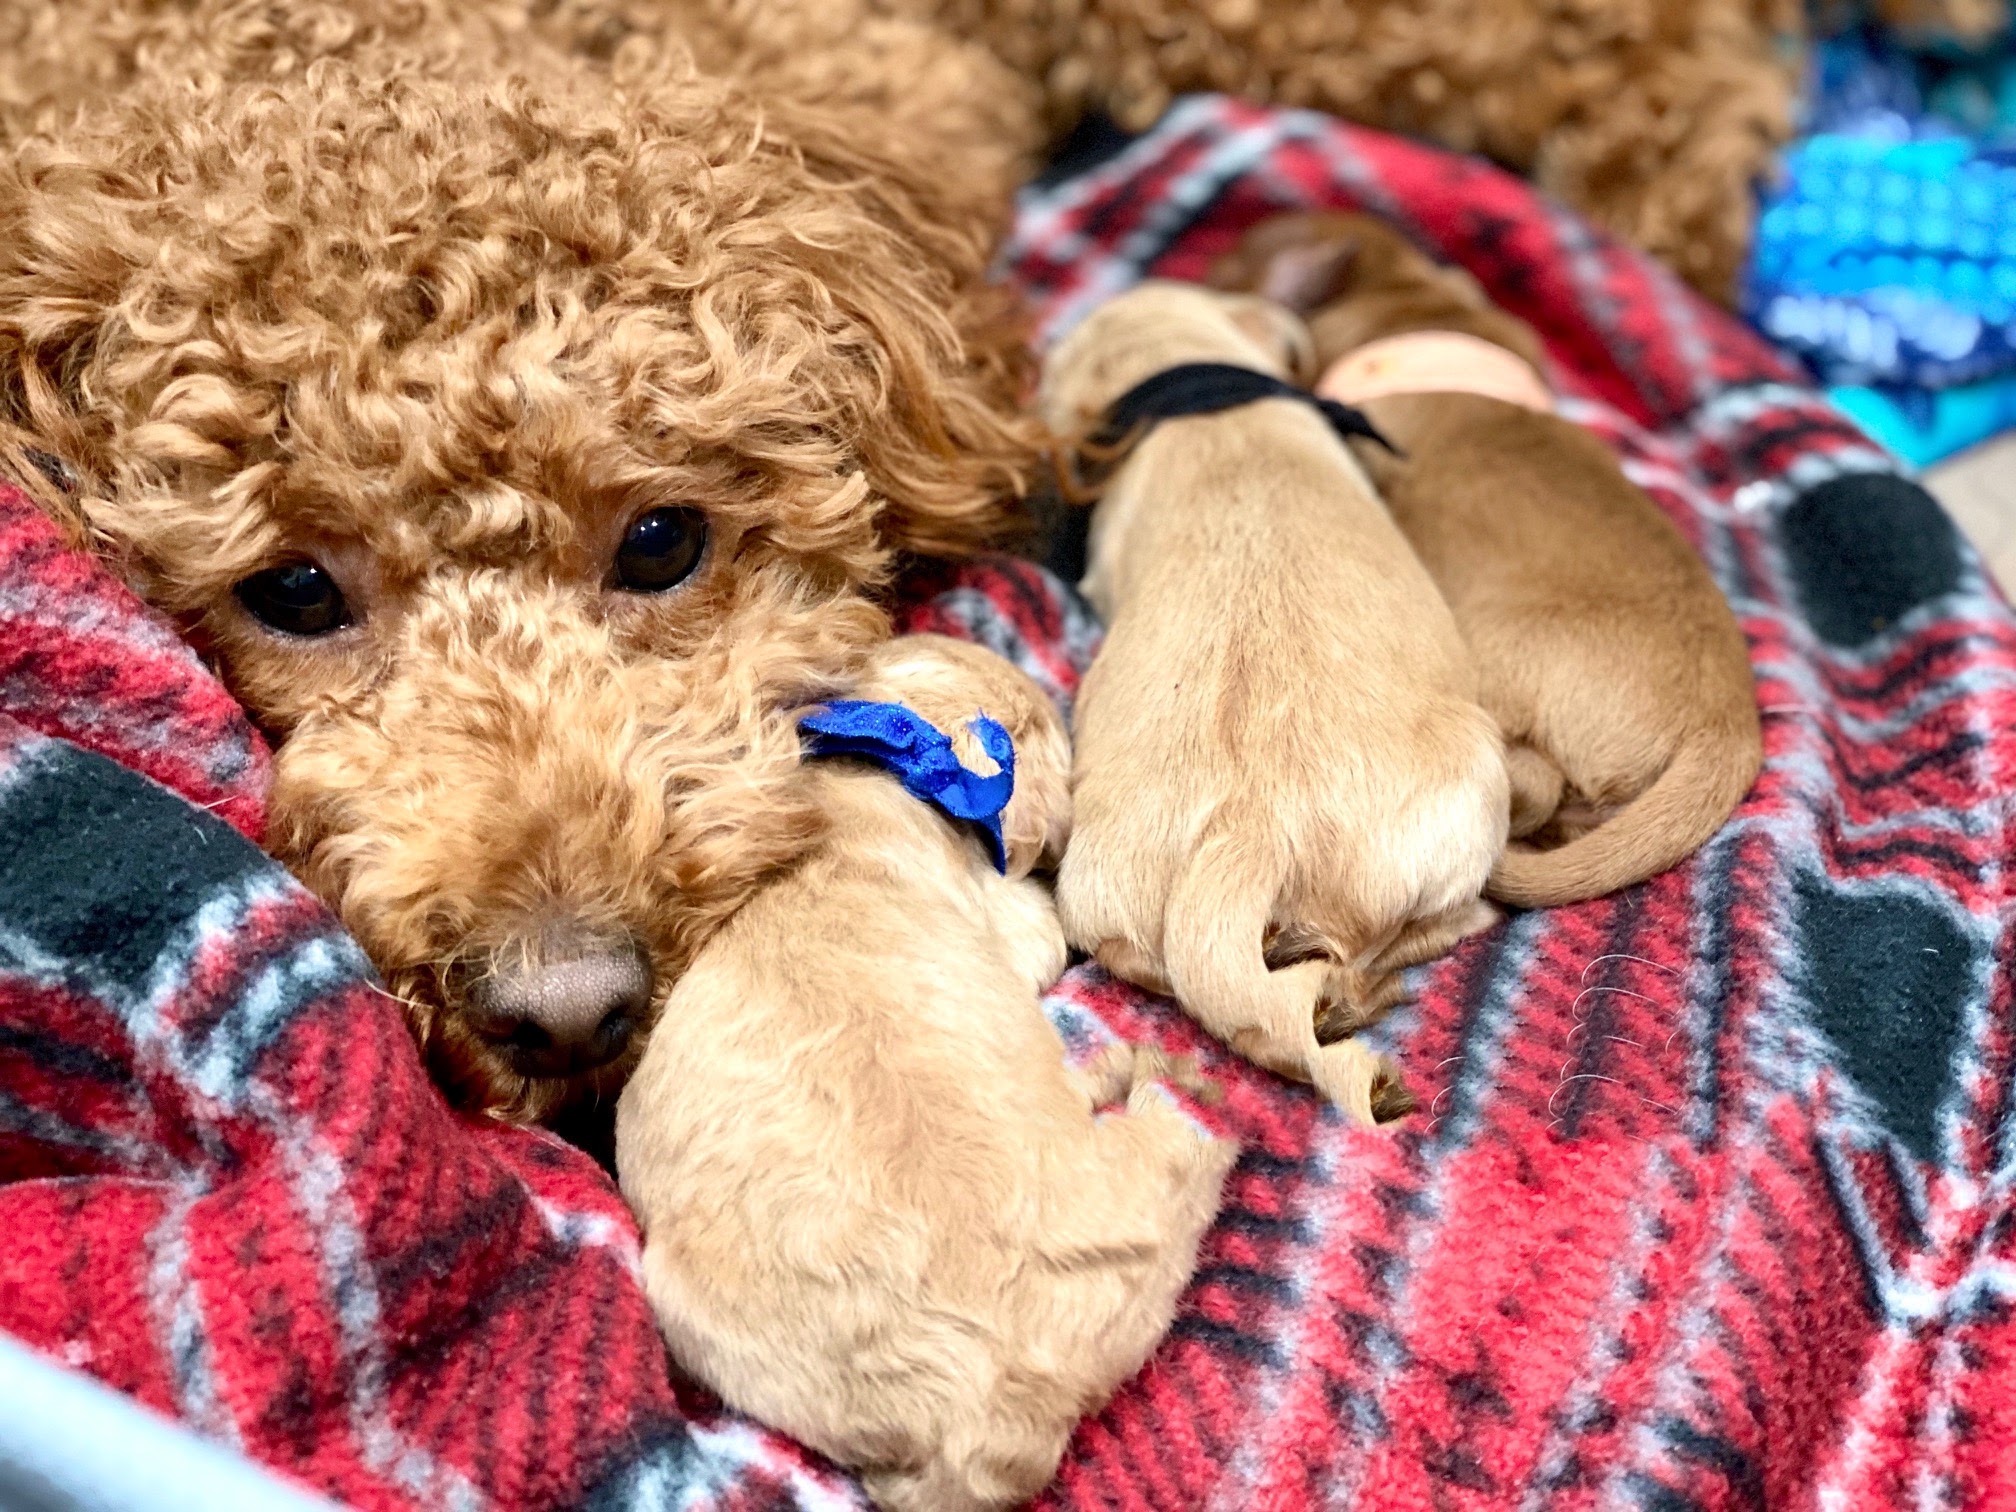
x,y
1979,488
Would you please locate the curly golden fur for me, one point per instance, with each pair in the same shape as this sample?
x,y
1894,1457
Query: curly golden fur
x,y
1653,117
445,331
925,88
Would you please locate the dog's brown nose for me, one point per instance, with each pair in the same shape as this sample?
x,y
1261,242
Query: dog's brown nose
x,y
562,1017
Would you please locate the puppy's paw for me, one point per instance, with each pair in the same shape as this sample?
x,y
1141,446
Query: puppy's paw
x,y
1152,1064
1354,999
952,682
1037,823
1391,1101
1107,1077
1364,1084
1122,1070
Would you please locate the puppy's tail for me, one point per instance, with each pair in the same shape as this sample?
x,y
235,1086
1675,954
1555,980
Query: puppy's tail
x,y
1213,946
1661,827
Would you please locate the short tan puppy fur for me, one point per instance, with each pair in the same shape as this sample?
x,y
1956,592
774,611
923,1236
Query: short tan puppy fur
x,y
1285,788
879,1212
1606,652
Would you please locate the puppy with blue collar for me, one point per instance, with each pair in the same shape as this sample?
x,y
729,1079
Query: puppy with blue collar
x,y
879,1211
1285,787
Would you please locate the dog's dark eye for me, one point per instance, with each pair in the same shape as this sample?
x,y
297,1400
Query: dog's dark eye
x,y
298,599
661,549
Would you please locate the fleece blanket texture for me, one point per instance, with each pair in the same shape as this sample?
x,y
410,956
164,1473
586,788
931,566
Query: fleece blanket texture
x,y
1708,1203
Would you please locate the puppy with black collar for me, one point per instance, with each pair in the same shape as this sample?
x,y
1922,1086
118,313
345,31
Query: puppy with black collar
x,y
1285,789
1605,651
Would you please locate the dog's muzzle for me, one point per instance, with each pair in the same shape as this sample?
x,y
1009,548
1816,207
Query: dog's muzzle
x,y
567,1013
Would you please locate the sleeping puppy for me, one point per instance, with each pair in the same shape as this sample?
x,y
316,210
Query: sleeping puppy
x,y
1284,787
879,1212
1606,652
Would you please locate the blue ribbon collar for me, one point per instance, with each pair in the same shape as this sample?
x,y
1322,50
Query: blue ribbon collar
x,y
921,757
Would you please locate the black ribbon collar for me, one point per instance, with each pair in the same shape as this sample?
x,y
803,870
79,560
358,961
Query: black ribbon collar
x,y
1207,388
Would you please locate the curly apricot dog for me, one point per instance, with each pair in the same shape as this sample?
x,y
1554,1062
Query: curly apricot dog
x,y
1653,117
523,453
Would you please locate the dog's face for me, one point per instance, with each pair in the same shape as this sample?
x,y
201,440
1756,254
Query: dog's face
x,y
524,458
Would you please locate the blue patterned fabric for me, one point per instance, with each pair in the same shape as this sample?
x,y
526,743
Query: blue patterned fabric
x,y
1892,261
922,759
1886,253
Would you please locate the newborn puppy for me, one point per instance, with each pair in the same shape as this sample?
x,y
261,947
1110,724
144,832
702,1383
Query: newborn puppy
x,y
1285,789
1606,652
879,1212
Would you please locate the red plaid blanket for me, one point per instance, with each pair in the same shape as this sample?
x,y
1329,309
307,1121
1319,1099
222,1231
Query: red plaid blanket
x,y
1708,1204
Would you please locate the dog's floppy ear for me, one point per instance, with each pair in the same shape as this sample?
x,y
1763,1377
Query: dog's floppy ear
x,y
46,345
939,427
1277,328
39,439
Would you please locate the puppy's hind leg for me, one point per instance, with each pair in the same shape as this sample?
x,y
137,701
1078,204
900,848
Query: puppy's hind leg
x,y
1537,786
1155,1187
1422,940
1113,892
1214,944
1119,1236
1122,1235
1360,1081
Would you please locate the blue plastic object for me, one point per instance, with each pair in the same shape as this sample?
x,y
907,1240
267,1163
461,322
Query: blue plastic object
x,y
1924,425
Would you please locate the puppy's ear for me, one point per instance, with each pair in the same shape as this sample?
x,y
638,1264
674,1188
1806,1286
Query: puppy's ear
x,y
1237,271
1308,277
1464,285
51,483
1278,329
